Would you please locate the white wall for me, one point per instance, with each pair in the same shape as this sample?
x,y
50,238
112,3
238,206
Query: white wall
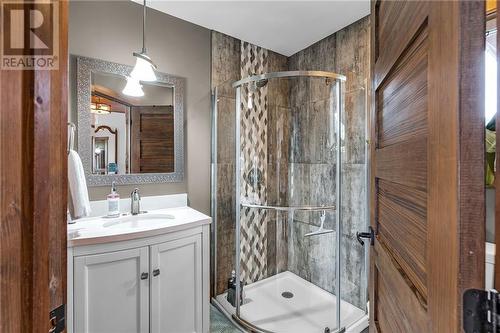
x,y
111,30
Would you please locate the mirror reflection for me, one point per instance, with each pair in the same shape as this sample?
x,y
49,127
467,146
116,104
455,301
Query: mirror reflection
x,y
131,134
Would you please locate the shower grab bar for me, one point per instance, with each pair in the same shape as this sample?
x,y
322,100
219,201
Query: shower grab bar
x,y
276,75
289,208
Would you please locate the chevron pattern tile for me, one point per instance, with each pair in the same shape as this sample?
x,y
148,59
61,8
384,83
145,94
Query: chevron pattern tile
x,y
254,108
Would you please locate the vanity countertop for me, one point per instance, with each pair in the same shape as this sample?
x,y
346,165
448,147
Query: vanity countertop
x,y
99,230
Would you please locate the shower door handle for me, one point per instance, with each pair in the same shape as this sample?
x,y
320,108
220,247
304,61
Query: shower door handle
x,y
369,235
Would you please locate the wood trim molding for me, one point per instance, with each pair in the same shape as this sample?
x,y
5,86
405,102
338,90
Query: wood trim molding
x,y
471,137
33,200
105,127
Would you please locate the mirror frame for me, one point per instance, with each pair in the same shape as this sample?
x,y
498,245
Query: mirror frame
x,y
85,67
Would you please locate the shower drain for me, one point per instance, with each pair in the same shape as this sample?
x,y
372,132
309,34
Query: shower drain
x,y
287,294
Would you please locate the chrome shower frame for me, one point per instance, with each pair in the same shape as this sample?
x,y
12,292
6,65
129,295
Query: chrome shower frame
x,y
334,89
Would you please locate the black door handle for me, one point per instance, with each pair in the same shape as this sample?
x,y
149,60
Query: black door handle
x,y
156,272
369,235
144,276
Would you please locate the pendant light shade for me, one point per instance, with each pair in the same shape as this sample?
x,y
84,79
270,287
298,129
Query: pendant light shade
x,y
143,69
144,66
133,88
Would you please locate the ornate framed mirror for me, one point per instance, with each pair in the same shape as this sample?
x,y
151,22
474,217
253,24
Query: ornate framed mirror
x,y
129,138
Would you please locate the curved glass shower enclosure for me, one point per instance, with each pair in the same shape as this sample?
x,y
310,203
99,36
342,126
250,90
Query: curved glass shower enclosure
x,y
289,190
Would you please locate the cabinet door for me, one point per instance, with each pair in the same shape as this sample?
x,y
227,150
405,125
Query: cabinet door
x,y
176,292
110,294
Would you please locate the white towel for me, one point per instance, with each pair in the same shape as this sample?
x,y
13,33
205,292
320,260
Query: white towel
x,y
78,186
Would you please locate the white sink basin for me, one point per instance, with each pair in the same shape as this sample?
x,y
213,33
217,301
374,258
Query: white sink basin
x,y
98,230
137,221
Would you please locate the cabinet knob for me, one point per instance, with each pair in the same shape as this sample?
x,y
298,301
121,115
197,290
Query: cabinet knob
x,y
144,276
156,272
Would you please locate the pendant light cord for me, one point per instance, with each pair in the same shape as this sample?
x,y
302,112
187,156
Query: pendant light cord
x,y
144,28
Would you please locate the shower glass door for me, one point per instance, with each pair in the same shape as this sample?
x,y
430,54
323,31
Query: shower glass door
x,y
354,209
287,249
295,152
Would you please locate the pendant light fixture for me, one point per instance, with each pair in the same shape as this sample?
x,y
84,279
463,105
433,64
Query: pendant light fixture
x,y
144,66
98,107
133,88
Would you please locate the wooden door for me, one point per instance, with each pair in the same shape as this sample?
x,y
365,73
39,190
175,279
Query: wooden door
x,y
427,184
152,139
33,191
176,287
111,292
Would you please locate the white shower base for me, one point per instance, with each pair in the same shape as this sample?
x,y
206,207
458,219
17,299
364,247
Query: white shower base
x,y
311,309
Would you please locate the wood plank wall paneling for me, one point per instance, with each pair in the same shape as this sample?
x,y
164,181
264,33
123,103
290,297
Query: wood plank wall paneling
x,y
33,156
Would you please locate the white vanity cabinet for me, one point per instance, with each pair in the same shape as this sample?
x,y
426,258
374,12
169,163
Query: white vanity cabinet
x,y
109,293
157,284
177,286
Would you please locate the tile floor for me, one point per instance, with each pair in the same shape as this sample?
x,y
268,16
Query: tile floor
x,y
219,323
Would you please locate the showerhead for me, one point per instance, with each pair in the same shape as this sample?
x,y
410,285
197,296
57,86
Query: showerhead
x,y
255,85
261,83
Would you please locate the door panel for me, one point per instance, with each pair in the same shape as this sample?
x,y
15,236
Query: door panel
x,y
421,198
404,163
152,139
395,24
177,292
109,294
402,226
402,98
397,309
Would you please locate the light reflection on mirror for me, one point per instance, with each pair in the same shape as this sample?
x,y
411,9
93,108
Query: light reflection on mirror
x,y
131,134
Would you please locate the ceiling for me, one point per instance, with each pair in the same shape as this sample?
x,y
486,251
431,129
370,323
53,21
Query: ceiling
x,y
285,27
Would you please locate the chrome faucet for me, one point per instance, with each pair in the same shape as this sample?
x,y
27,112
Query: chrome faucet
x,y
135,202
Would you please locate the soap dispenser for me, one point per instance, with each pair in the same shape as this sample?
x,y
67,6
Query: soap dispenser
x,y
231,290
113,202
